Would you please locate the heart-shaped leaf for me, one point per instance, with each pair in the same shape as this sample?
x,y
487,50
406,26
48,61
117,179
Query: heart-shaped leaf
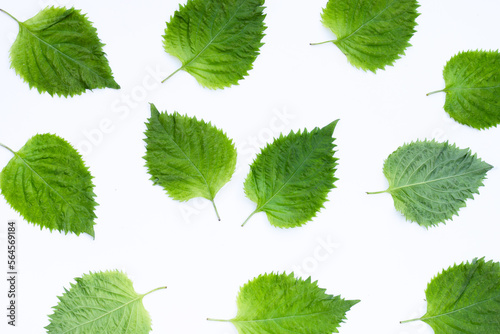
x,y
58,52
473,88
101,303
464,298
430,181
188,157
282,304
372,34
217,41
291,177
48,184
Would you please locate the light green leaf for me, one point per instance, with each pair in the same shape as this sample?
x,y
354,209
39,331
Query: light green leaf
x,y
473,88
101,303
282,304
217,41
188,157
464,299
48,184
430,181
290,179
58,52
372,34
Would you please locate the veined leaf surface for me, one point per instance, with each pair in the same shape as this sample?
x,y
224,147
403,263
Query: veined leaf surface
x,y
372,34
217,41
291,177
101,303
430,181
48,184
58,52
282,304
465,298
473,88
188,157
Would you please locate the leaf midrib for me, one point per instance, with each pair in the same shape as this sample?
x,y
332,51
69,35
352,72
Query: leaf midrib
x,y
259,208
212,197
139,297
460,88
213,38
366,23
281,318
60,52
461,309
436,180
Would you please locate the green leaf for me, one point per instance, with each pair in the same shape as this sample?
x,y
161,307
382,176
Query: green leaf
x,y
188,157
290,178
100,303
473,88
58,52
48,183
465,299
430,181
283,304
217,41
372,34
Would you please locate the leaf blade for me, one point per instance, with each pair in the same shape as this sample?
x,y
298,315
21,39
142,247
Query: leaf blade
x,y
48,183
430,181
472,88
58,51
188,157
101,302
290,178
372,34
281,303
216,41
465,298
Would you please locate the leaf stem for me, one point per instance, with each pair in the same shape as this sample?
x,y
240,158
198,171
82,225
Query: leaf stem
x,y
434,92
210,319
246,220
215,208
171,75
330,41
160,288
411,320
8,148
1,10
376,192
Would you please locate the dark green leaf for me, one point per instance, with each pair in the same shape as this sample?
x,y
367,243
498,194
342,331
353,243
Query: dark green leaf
x,y
465,299
217,41
290,179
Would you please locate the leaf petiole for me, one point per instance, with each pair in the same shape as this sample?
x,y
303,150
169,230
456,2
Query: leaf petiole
x,y
8,148
376,192
331,41
171,75
436,91
411,320
220,320
160,288
246,220
215,208
1,10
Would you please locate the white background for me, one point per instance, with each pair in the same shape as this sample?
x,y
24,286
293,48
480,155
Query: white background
x,y
359,246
